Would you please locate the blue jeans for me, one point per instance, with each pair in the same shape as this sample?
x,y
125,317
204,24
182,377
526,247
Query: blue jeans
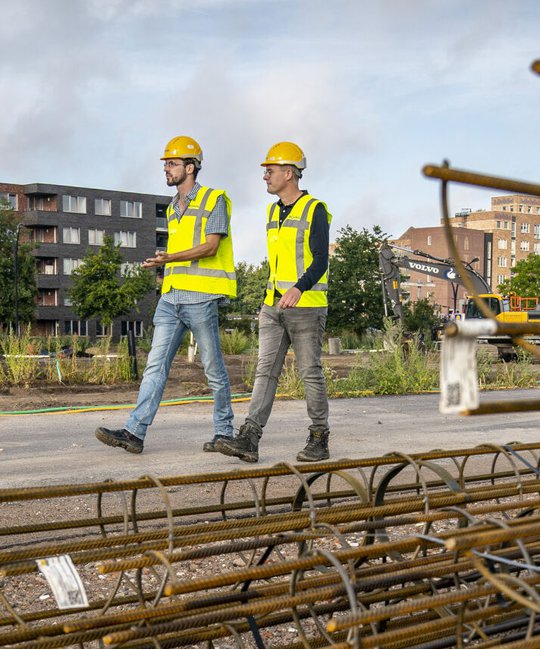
x,y
171,323
303,328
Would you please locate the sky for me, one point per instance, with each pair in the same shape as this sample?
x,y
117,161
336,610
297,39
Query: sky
x,y
371,90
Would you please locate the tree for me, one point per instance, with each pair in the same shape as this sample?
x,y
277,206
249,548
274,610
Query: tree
x,y
355,293
10,238
525,279
419,316
251,285
99,291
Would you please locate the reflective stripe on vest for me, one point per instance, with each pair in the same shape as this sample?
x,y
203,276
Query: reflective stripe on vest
x,y
214,275
291,270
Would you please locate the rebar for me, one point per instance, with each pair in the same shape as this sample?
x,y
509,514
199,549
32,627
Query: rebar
x,y
394,546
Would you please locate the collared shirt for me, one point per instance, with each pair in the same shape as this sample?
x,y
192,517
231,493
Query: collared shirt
x,y
217,223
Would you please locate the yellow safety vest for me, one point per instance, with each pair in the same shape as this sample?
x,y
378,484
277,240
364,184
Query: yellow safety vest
x,y
213,275
289,254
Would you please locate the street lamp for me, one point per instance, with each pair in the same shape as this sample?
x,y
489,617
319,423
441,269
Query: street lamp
x,y
20,226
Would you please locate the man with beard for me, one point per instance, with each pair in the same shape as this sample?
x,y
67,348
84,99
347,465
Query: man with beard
x,y
199,275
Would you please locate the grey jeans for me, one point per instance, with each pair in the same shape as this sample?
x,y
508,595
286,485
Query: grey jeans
x,y
303,328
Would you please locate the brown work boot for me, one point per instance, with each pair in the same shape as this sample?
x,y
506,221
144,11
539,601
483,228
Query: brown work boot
x,y
316,448
244,446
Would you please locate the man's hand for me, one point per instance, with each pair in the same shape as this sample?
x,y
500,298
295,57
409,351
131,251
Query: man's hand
x,y
160,259
290,298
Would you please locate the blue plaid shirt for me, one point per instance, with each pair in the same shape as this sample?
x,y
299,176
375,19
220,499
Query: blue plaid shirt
x,y
217,223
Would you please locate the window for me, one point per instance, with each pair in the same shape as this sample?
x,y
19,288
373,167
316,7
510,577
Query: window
x,y
74,204
525,228
103,330
502,262
136,326
76,327
131,209
524,246
429,239
536,247
500,279
95,237
499,225
67,301
537,231
70,265
46,266
47,297
43,235
10,199
125,239
72,235
502,244
102,207
466,243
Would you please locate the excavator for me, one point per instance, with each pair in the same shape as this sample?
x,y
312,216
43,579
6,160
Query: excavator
x,y
505,309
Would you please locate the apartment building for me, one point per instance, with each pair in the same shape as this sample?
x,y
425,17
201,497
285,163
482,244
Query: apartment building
x,y
65,223
514,222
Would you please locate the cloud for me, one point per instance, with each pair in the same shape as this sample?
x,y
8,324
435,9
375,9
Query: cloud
x,y
91,92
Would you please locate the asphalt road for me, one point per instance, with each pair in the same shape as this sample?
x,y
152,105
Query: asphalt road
x,y
38,450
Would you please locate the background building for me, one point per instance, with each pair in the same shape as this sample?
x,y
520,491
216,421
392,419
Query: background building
x,y
492,241
474,247
514,222
65,223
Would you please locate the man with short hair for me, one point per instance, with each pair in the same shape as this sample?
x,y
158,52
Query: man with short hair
x,y
295,307
199,275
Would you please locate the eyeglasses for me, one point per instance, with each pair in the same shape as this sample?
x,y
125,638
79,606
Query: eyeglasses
x,y
170,164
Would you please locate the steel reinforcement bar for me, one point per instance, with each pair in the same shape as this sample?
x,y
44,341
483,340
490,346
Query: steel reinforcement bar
x,y
426,550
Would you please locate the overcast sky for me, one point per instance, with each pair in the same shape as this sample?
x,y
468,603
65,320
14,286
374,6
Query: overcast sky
x,y
91,91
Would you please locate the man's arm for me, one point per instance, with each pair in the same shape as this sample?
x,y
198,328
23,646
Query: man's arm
x,y
217,226
206,249
319,241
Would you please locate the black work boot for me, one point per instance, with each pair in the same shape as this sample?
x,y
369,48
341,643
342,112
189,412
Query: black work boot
x,y
245,445
122,438
210,447
316,448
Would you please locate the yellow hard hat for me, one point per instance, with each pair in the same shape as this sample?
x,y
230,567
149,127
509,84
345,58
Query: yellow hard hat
x,y
285,153
183,146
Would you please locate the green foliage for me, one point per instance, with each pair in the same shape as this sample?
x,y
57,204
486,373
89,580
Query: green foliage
x,y
21,365
420,316
235,342
98,291
26,271
525,279
251,284
354,294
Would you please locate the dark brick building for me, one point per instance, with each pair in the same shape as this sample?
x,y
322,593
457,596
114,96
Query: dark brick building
x,y
65,223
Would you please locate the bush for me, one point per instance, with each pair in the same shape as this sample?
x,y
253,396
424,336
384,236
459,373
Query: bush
x,y
235,342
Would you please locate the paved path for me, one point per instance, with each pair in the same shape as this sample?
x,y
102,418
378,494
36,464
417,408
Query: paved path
x,y
61,448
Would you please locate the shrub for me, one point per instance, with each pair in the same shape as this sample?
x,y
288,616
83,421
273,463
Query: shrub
x,y
235,342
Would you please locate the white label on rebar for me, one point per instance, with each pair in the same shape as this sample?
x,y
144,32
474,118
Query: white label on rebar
x,y
64,580
458,375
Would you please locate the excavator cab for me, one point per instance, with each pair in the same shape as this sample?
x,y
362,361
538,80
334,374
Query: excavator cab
x,y
493,303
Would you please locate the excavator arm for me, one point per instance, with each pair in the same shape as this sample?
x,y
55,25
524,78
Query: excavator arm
x,y
390,265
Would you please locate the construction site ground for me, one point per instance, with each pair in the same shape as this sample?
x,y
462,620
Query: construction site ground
x,y
58,448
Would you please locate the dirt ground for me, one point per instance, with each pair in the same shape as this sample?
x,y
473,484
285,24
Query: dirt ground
x,y
186,379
